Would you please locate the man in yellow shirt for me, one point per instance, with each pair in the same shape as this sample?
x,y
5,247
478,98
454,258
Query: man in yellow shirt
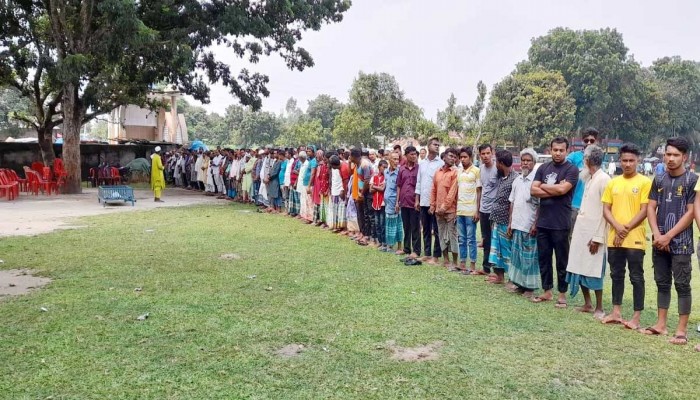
x,y
625,208
157,178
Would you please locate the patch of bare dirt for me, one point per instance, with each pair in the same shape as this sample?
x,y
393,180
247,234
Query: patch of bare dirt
x,y
230,256
16,282
426,352
290,350
31,215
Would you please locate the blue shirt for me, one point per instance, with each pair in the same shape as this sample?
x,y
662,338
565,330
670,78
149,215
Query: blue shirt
x,y
576,158
283,169
660,168
307,176
391,190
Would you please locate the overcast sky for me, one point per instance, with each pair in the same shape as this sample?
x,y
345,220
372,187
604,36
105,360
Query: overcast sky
x,y
437,47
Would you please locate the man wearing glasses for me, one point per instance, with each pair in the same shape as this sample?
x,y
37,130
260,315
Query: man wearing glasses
x,y
589,136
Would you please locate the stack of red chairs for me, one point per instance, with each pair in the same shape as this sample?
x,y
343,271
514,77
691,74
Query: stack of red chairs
x,y
59,172
8,187
115,178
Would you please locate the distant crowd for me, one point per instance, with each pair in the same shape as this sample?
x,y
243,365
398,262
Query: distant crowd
x,y
566,219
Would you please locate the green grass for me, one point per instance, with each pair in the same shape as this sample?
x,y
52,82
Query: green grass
x,y
212,331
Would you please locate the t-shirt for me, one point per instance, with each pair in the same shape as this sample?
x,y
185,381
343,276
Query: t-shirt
x,y
626,196
377,197
307,174
672,194
336,182
500,213
468,181
556,211
489,184
576,158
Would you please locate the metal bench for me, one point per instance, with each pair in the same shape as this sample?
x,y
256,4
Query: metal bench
x,y
109,194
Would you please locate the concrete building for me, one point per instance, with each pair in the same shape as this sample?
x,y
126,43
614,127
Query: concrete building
x,y
132,122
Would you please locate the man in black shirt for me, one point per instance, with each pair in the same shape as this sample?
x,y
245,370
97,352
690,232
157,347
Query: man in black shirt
x,y
554,185
670,215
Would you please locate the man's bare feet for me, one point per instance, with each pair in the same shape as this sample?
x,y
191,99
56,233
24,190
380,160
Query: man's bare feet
x,y
633,325
413,255
697,347
528,294
599,314
586,308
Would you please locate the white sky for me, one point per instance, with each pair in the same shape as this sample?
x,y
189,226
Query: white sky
x,y
437,47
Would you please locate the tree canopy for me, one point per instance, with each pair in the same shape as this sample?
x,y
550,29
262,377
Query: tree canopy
x,y
93,55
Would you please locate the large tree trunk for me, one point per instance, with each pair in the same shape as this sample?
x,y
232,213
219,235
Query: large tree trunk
x,y
73,113
44,136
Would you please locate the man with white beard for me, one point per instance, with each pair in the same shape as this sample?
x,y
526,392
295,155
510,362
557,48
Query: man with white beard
x,y
524,273
586,266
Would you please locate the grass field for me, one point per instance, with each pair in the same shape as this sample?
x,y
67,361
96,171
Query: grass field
x,y
214,329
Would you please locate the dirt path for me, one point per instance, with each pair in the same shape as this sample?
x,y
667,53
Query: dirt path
x,y
30,215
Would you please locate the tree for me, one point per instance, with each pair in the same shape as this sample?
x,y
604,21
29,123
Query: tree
x,y
259,128
592,62
325,108
308,131
380,99
476,114
353,127
12,104
292,110
530,108
452,118
679,83
99,54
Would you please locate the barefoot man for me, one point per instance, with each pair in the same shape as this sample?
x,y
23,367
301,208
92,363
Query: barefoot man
x,y
443,203
553,185
670,215
625,201
501,235
586,266
525,269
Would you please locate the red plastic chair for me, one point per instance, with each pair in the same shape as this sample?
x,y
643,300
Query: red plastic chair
x,y
9,188
45,185
32,180
38,167
116,178
23,182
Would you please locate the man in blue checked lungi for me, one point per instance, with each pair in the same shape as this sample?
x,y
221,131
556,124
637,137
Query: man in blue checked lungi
x,y
524,272
394,225
501,239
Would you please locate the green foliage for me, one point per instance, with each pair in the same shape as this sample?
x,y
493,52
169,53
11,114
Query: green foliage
x,y
383,103
452,118
592,62
530,108
353,127
12,105
679,83
325,108
303,132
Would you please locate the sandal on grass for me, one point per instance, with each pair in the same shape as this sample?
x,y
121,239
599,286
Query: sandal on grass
x,y
538,299
679,340
652,331
560,304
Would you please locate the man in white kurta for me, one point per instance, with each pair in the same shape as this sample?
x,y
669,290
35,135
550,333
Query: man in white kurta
x,y
586,266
